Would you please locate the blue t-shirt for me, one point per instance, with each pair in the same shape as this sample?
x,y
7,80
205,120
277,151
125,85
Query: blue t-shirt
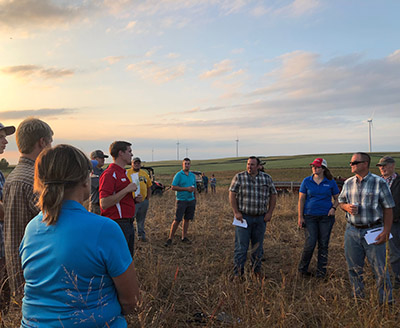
x,y
68,268
318,196
183,180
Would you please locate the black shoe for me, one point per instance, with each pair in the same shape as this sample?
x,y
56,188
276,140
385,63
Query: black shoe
x,y
305,274
186,240
168,243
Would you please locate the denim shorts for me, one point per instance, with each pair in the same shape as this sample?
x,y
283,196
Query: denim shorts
x,y
185,209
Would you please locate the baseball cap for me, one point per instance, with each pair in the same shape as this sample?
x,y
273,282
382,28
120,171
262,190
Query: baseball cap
x,y
9,129
98,153
385,160
136,159
318,162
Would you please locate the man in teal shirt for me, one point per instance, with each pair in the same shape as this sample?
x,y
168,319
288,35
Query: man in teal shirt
x,y
184,185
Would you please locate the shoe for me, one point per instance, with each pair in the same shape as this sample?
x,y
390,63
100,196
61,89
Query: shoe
x,y
305,274
168,243
186,240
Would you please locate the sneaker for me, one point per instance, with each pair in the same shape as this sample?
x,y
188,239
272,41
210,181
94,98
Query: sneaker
x,y
168,243
186,240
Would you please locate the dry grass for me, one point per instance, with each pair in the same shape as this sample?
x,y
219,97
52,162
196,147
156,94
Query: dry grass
x,y
184,280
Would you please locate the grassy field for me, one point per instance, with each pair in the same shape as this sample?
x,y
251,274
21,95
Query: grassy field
x,y
191,285
273,162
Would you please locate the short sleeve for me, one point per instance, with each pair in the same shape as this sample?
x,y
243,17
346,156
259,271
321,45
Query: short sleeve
x,y
149,183
342,196
335,189
235,185
114,249
176,180
303,188
106,185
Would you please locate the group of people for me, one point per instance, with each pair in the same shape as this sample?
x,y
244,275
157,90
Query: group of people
x,y
372,206
76,266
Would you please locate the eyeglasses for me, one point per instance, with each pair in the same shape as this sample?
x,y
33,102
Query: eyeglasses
x,y
356,163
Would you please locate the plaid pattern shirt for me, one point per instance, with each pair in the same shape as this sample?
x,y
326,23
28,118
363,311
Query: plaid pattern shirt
x,y
252,193
2,180
371,194
19,208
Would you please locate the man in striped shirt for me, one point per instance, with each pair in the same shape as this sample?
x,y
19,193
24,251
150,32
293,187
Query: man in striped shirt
x,y
368,204
252,196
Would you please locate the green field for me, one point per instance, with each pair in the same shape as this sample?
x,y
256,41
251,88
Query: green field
x,y
340,160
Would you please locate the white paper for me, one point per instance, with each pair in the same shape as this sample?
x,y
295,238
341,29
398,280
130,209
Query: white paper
x,y
135,179
371,235
238,223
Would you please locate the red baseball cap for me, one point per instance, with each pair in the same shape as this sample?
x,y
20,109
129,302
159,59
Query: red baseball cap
x,y
318,162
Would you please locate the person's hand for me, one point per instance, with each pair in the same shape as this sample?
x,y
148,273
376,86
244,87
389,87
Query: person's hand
x,y
332,212
382,237
132,187
267,217
351,209
300,221
239,216
138,199
191,189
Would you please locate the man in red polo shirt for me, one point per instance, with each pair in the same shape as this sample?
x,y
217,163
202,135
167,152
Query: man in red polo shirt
x,y
115,191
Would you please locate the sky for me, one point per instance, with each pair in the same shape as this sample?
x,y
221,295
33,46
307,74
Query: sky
x,y
283,77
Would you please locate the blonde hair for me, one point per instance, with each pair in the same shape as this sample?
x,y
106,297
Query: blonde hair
x,y
56,170
29,132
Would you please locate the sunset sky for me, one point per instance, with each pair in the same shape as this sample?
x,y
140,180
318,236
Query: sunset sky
x,y
283,76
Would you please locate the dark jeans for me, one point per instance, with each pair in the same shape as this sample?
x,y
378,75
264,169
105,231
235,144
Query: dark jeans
x,y
318,229
254,233
128,229
394,244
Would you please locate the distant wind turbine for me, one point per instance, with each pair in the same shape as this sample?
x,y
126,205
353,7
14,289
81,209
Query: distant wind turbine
x,y
370,131
237,146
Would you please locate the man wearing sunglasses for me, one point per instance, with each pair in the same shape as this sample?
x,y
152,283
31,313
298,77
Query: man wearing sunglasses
x,y
368,204
387,166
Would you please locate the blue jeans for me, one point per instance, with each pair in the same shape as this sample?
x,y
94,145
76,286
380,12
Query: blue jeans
x,y
355,250
255,233
394,244
318,229
140,213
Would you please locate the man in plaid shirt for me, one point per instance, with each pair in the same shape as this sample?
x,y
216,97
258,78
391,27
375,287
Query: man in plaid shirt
x,y
368,204
252,195
20,202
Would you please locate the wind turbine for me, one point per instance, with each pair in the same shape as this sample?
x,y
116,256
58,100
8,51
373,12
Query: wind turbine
x,y
370,131
237,146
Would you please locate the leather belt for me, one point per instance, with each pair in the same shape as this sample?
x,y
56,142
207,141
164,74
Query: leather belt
x,y
366,226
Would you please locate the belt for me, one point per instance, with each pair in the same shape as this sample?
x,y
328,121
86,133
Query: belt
x,y
124,220
366,226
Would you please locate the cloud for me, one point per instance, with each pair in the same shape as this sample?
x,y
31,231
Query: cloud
x,y
25,13
297,8
348,85
130,25
220,68
45,112
37,71
173,55
156,73
204,110
113,59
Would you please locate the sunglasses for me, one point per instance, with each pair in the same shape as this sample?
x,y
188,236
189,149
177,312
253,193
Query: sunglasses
x,y
356,163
